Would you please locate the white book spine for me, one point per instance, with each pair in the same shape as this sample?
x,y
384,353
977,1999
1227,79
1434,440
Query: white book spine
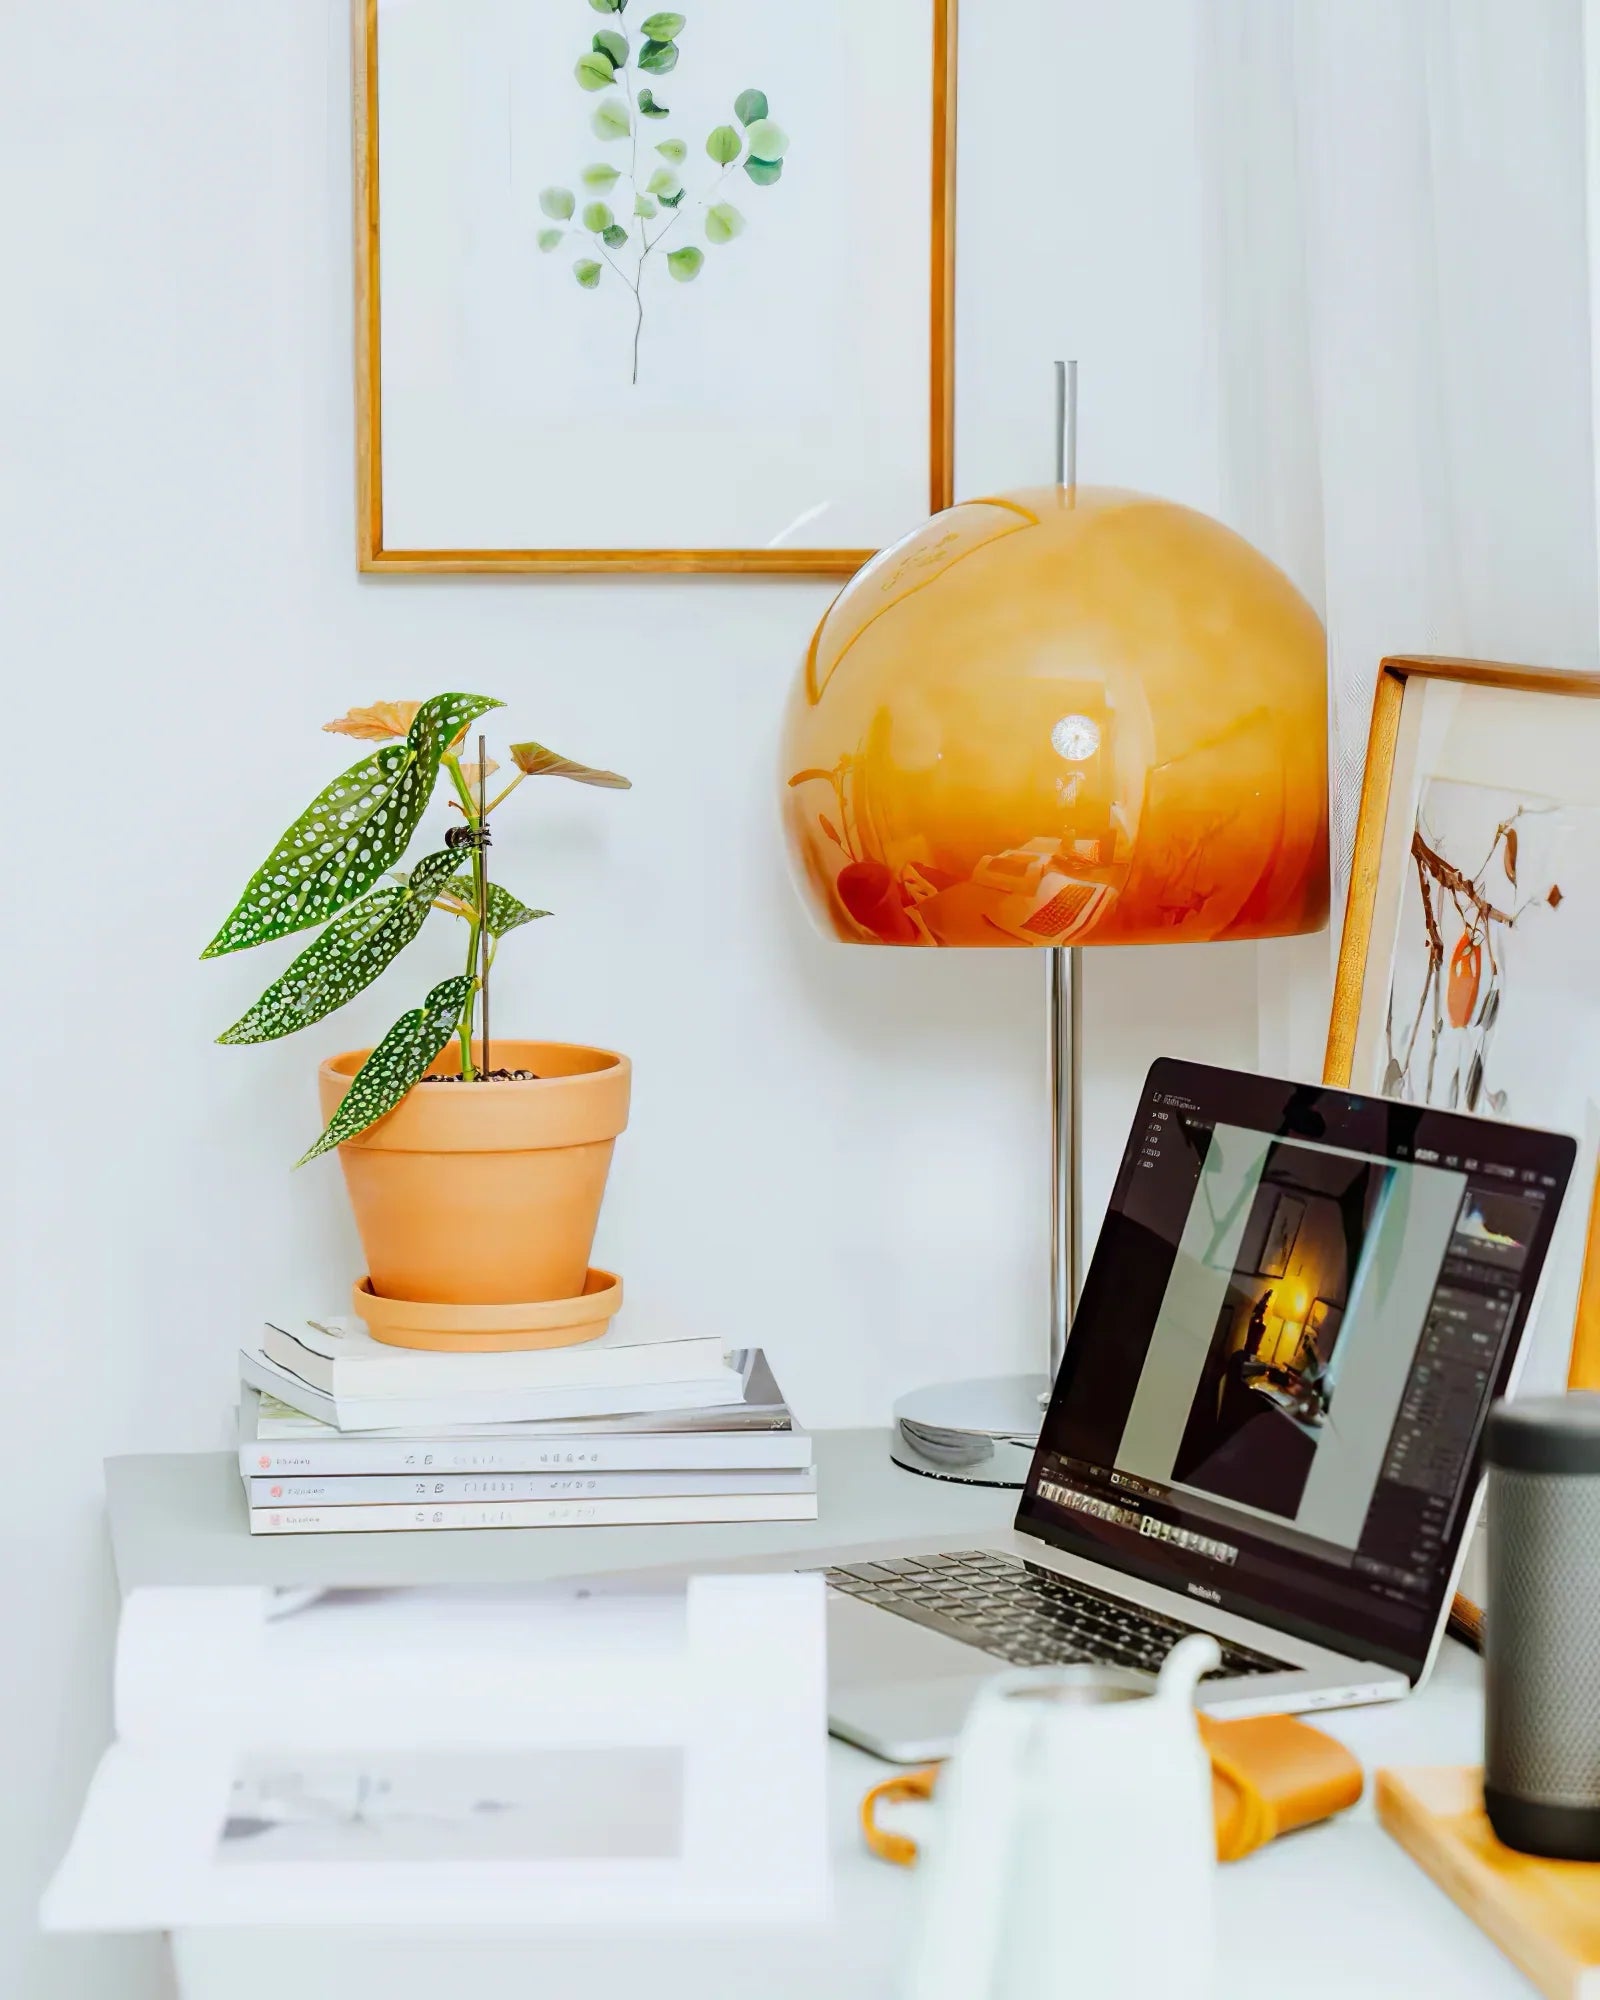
x,y
596,1513
338,1457
454,1488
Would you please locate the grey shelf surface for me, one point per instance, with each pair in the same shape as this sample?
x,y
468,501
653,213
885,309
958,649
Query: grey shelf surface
x,y
180,1518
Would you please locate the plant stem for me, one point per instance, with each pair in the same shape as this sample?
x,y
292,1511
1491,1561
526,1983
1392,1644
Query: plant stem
x,y
453,765
468,1072
506,793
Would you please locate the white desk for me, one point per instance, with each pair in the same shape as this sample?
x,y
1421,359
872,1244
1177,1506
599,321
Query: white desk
x,y
1336,1910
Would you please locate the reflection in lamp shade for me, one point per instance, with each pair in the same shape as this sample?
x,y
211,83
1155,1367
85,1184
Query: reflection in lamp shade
x,y
1062,716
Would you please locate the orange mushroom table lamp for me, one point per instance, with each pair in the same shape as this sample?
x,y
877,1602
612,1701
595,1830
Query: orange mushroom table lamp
x,y
1057,717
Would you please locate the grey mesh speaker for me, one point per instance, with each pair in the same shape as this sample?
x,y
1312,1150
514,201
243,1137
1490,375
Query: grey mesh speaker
x,y
1541,1780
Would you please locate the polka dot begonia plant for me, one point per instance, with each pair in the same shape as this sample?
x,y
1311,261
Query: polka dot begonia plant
x,y
329,868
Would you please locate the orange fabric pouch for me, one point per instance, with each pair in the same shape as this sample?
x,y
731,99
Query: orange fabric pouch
x,y
1269,1775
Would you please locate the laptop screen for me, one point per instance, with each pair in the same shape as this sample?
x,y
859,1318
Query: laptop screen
x,y
1300,1307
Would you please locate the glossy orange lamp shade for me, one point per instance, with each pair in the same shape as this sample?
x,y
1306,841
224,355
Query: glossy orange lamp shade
x,y
1062,716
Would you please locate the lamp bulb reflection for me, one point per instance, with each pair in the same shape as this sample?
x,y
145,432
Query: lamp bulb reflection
x,y
1075,738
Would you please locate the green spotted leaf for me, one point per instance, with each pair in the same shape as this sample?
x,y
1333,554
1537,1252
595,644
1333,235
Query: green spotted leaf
x,y
601,175
399,1062
750,105
768,141
674,150
550,239
724,144
658,58
763,172
538,760
506,912
587,273
348,956
662,27
557,203
352,832
610,120
597,217
685,264
723,222
613,44
594,69
650,108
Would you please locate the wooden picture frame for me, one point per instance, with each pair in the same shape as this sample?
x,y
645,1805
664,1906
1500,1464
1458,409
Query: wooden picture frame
x,y
1397,676
376,553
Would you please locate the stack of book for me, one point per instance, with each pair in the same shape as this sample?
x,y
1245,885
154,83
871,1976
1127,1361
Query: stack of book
x,y
339,1434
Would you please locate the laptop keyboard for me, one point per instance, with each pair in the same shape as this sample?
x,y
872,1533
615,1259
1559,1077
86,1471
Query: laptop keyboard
x,y
1028,1617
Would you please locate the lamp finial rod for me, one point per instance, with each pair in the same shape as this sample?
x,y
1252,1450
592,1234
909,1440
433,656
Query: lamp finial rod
x,y
1066,423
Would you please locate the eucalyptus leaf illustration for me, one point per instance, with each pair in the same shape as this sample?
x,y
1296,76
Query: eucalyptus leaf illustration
x,y
768,140
611,120
656,196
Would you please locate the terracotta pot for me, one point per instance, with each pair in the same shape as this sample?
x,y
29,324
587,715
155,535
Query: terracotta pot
x,y
485,1194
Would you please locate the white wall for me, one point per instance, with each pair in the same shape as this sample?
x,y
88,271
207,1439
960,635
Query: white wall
x,y
838,1153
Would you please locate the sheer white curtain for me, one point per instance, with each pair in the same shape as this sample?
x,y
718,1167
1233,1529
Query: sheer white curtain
x,y
1400,299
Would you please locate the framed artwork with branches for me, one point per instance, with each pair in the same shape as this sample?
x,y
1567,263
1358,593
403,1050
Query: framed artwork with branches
x,y
644,288
1469,967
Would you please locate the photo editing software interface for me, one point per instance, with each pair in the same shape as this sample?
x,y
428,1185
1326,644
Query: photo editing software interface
x,y
1301,1307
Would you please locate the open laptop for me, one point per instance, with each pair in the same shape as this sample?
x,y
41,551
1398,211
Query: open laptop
x,y
1266,1426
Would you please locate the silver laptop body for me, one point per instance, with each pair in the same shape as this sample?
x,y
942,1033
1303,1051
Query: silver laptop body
x,y
1291,1485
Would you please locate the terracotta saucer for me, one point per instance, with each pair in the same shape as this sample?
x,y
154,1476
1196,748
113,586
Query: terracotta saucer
x,y
490,1329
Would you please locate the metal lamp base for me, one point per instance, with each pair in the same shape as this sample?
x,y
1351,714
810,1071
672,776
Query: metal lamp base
x,y
980,1433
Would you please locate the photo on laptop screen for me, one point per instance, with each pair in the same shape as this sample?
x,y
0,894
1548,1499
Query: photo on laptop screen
x,y
1282,1346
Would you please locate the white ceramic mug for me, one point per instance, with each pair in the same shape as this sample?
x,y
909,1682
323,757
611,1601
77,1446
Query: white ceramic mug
x,y
1074,1849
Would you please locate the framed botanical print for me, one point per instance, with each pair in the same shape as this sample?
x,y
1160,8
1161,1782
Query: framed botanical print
x,y
1469,969
641,288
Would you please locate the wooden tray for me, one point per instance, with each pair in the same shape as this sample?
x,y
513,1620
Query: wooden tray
x,y
1545,1915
